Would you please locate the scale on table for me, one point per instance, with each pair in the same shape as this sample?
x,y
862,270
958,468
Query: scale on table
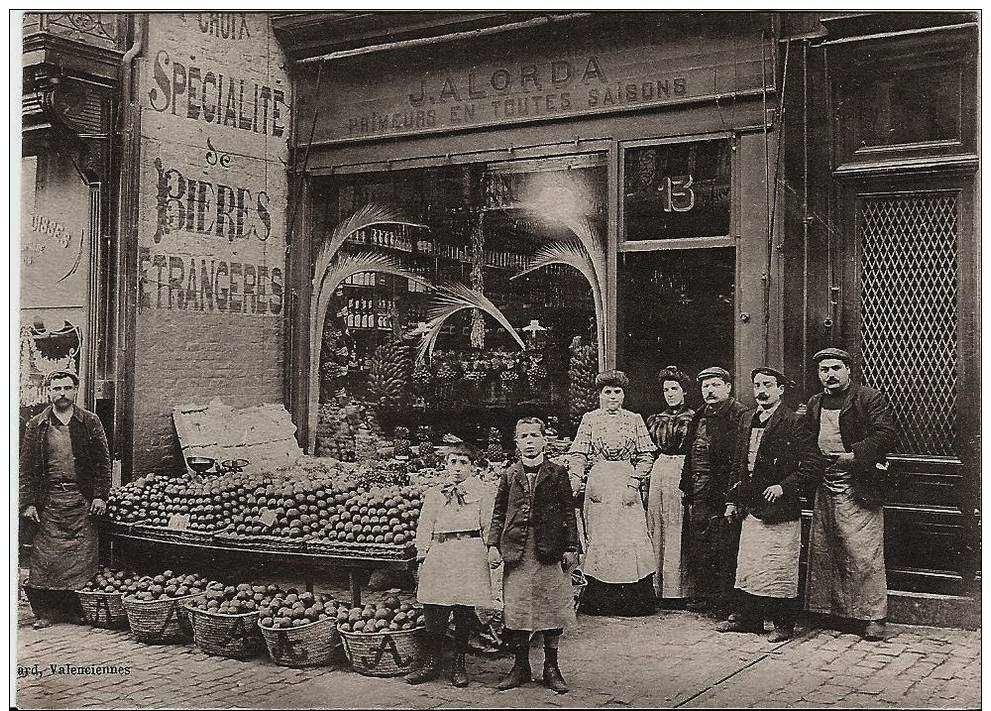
x,y
203,465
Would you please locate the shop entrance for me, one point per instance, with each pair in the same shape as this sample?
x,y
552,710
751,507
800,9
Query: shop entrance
x,y
676,267
675,307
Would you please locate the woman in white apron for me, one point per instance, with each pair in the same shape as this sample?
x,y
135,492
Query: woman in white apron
x,y
665,513
619,562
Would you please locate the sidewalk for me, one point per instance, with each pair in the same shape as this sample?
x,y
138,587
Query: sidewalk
x,y
671,659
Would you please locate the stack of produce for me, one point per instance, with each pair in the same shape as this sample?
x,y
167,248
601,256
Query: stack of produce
x,y
156,611
335,433
364,630
300,629
583,365
102,597
390,614
225,620
390,375
282,609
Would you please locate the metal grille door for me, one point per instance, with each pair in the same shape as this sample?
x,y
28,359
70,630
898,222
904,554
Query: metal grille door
x,y
908,314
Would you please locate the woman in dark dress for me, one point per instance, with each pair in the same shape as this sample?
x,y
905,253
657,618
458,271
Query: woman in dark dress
x,y
669,431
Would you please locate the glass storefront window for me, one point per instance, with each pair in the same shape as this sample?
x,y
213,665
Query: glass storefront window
x,y
480,226
677,190
675,308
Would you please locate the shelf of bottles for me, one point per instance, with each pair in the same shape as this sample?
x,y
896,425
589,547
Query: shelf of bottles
x,y
401,239
369,314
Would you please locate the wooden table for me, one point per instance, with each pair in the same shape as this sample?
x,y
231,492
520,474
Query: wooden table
x,y
353,564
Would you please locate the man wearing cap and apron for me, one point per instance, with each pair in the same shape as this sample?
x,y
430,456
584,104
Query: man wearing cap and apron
x,y
777,461
855,430
64,481
710,538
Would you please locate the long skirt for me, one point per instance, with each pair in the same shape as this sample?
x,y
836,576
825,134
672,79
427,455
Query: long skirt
x,y
846,557
665,516
767,564
536,596
620,560
65,552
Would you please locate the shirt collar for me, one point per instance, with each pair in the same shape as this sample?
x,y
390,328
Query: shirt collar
x,y
765,415
53,419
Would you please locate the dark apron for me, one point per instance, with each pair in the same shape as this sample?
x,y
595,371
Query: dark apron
x,y
65,550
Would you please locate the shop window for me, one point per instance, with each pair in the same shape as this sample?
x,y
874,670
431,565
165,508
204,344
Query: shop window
x,y
675,308
676,190
908,314
397,343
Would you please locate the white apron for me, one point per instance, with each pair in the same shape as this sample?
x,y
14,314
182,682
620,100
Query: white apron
x,y
619,548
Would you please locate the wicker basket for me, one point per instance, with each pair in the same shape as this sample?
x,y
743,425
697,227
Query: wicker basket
x,y
385,653
160,621
103,609
310,645
234,636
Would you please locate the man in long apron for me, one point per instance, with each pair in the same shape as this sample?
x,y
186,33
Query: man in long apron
x,y
64,479
855,430
777,462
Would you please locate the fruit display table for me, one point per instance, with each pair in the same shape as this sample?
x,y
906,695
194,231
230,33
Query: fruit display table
x,y
130,546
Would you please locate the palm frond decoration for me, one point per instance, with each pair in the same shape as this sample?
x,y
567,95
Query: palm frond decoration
x,y
366,216
331,268
582,228
453,298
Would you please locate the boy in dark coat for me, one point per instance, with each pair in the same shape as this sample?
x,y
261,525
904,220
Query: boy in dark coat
x,y
534,532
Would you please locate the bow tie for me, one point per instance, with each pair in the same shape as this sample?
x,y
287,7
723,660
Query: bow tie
x,y
454,490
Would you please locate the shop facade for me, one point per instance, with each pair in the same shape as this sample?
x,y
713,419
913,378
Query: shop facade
x,y
738,222
629,190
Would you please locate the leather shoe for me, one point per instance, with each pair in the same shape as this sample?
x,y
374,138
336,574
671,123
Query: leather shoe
x,y
779,635
552,673
518,675
428,671
42,623
874,631
739,626
459,675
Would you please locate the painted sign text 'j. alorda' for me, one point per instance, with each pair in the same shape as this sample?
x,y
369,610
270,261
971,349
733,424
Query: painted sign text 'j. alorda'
x,y
516,93
208,284
206,94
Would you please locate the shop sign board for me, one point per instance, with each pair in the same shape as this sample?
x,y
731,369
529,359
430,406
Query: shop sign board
x,y
507,79
214,126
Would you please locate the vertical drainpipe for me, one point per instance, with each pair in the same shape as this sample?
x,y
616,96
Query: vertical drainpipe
x,y
126,257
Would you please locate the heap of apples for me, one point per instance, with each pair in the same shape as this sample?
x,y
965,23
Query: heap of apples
x,y
172,585
389,615
290,608
108,580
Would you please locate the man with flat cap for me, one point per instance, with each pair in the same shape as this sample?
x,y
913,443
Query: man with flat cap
x,y
855,430
776,462
711,538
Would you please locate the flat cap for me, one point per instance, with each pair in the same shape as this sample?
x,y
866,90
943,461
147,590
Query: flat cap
x,y
837,353
714,372
767,370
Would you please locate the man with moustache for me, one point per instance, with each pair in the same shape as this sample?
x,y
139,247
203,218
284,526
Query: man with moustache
x,y
855,430
711,538
777,461
64,479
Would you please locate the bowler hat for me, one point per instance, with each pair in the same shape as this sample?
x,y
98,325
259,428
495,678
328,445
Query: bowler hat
x,y
837,353
714,372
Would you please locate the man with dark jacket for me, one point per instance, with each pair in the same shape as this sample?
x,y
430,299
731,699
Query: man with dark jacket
x,y
535,533
711,539
64,478
856,430
777,461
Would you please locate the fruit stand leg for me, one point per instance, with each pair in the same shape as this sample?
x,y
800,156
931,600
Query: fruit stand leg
x,y
355,587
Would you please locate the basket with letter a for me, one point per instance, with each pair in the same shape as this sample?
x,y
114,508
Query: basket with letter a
x,y
234,636
309,645
103,609
162,621
385,653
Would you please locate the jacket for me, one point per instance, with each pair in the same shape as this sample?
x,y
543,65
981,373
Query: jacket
x,y
552,511
868,429
89,450
724,422
787,455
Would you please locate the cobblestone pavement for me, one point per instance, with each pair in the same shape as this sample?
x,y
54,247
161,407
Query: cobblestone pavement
x,y
672,659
